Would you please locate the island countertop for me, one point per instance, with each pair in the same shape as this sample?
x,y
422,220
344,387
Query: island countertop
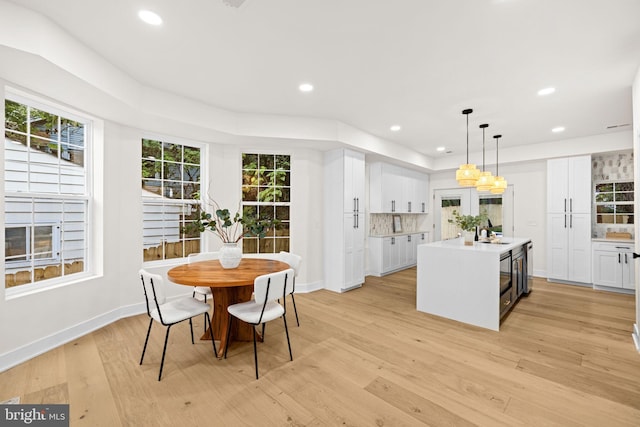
x,y
506,244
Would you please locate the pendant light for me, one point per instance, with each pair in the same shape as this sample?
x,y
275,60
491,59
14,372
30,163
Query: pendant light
x,y
467,174
499,184
485,181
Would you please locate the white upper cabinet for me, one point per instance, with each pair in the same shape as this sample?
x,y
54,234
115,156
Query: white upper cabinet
x,y
393,189
569,185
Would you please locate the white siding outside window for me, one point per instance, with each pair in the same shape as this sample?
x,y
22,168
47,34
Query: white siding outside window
x,y
47,195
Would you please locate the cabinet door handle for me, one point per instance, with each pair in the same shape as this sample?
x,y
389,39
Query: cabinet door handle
x,y
565,205
393,206
565,220
423,206
626,260
408,238
571,205
570,220
409,206
354,206
355,219
393,240
358,205
618,258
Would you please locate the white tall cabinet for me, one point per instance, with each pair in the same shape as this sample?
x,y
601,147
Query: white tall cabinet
x,y
569,219
344,225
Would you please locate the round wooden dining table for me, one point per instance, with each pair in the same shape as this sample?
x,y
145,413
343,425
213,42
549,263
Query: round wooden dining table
x,y
228,286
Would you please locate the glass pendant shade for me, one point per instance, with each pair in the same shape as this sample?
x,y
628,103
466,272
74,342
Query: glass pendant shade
x,y
499,185
467,175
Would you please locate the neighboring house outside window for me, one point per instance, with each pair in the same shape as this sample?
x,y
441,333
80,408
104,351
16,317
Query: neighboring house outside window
x,y
266,193
46,192
171,174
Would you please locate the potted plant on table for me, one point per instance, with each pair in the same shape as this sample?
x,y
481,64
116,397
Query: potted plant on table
x,y
468,224
229,229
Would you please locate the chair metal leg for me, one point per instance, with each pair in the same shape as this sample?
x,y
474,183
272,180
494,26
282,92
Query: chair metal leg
x,y
164,351
146,340
286,330
255,350
263,326
191,328
228,335
295,310
213,340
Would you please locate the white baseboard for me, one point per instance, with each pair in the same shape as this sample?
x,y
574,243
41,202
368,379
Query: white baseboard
x,y
636,336
29,351
304,288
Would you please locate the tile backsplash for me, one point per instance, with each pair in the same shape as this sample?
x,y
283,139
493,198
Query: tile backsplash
x,y
608,168
382,224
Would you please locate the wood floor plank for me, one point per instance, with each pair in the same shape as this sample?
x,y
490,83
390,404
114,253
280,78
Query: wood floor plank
x,y
563,357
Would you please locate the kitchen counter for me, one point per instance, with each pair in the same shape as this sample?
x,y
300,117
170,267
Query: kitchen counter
x,y
462,282
602,239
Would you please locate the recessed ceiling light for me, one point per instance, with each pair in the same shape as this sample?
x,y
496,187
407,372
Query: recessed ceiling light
x,y
558,129
395,128
546,91
440,149
149,17
306,87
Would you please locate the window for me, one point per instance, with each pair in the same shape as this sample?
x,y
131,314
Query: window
x,y
23,243
614,203
46,192
492,206
266,194
170,194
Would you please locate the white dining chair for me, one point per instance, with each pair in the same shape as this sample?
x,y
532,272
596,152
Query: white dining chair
x,y
268,289
204,291
169,313
294,262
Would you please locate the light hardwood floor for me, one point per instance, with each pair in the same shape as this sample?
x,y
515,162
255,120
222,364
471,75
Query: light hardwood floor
x,y
563,357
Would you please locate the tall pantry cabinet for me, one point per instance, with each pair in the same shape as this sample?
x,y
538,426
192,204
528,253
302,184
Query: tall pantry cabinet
x,y
344,225
569,219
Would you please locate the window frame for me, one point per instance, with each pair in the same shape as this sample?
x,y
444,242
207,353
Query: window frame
x,y
160,200
258,204
86,198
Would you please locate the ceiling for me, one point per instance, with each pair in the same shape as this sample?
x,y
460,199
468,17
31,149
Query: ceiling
x,y
376,63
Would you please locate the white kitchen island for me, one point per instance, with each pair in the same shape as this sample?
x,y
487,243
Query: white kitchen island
x,y
464,283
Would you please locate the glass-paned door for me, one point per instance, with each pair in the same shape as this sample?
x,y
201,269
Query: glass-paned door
x,y
446,201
